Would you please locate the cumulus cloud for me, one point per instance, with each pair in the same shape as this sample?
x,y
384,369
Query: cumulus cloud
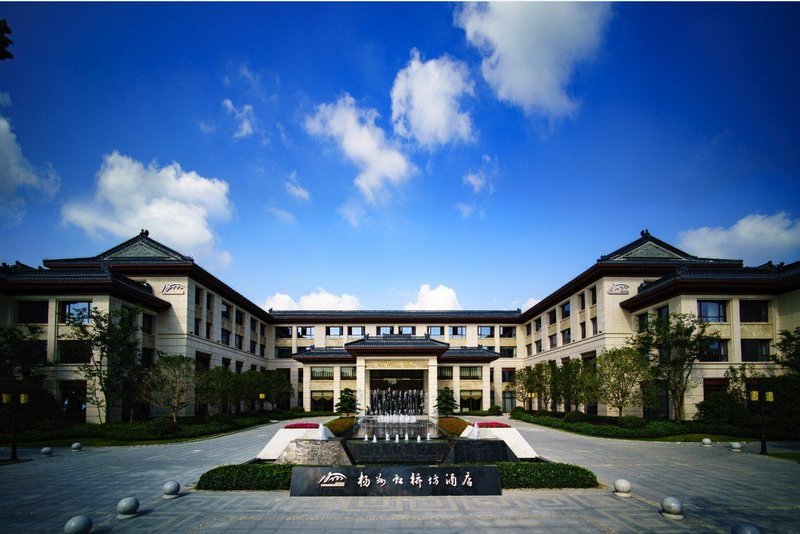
x,y
283,216
294,188
353,213
177,206
476,180
439,298
206,127
530,49
754,238
363,143
469,209
19,180
530,303
245,118
320,299
425,101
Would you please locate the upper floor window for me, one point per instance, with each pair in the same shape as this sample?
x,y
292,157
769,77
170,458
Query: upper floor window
x,y
263,330
458,331
717,352
712,311
253,345
348,373
198,296
355,331
334,331
209,301
225,336
593,296
226,310
508,331
537,324
566,336
528,329
565,310
508,352
755,350
436,331
237,340
283,332
283,352
470,373
75,309
753,311
662,313
305,332
253,325
508,374
408,330
385,330
322,373
583,330
73,351
582,301
32,311
538,346
551,317
594,325
485,331
529,349
445,373
553,341
641,322
239,318
147,323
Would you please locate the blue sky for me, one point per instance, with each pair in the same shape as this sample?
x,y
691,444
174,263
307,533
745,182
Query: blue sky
x,y
392,155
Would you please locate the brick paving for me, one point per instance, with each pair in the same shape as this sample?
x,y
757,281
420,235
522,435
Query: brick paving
x,y
718,487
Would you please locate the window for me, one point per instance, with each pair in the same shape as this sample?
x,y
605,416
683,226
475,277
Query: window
x,y
445,373
471,400
322,373
237,340
663,313
74,351
239,318
583,330
305,332
147,323
436,331
717,352
529,350
32,311
641,322
322,401
253,323
594,326
301,350
458,331
407,330
262,329
34,350
712,311
76,310
485,331
253,346
528,329
508,331
755,350
538,324
508,374
582,301
208,330
334,331
566,336
551,317
262,350
226,311
552,341
300,376
470,373
209,301
283,332
283,352
385,330
565,310
198,324
593,296
198,296
355,331
538,346
753,311
348,373
508,352
225,336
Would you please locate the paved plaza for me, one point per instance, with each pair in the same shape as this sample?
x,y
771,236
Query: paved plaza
x,y
719,489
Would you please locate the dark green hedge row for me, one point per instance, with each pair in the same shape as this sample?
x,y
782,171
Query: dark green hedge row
x,y
256,477
341,425
545,475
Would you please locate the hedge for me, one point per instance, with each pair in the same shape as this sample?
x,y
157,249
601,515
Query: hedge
x,y
544,475
341,425
452,425
256,477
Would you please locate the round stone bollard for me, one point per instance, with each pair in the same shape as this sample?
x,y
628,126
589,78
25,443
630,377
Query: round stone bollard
x,y
80,524
706,442
745,528
46,451
76,447
171,490
622,488
736,446
671,508
127,507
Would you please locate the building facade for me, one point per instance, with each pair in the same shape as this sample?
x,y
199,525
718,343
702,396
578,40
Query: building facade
x,y
187,310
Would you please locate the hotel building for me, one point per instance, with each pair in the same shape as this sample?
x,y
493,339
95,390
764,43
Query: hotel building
x,y
187,310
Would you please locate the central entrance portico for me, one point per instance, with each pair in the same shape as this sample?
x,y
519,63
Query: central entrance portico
x,y
395,374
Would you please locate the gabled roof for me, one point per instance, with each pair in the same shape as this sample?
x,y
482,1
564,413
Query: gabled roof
x,y
469,355
395,341
137,250
325,355
650,248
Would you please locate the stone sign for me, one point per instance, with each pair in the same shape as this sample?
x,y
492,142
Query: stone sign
x,y
390,480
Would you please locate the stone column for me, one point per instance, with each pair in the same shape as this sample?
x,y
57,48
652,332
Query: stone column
x,y
337,385
486,395
457,386
361,385
433,388
307,389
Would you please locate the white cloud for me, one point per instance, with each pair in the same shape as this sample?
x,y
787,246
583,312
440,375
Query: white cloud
x,y
467,210
363,143
320,299
476,180
206,127
294,188
754,238
19,180
425,101
530,49
5,100
283,216
245,118
177,206
353,213
439,298
530,303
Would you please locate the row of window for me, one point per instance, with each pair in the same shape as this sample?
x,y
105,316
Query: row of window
x,y
257,328
37,312
753,350
566,337
716,311
285,332
565,309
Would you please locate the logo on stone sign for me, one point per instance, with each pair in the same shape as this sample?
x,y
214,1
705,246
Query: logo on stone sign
x,y
332,480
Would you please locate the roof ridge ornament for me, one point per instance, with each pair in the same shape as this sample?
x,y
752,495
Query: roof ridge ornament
x,y
645,233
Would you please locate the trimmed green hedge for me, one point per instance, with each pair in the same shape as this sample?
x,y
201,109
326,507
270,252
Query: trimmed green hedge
x,y
452,425
341,425
256,477
544,475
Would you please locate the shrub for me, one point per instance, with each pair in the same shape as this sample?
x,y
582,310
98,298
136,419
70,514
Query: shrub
x,y
452,425
545,475
572,417
517,410
254,477
492,424
720,408
631,421
162,427
302,425
297,409
341,425
495,410
221,418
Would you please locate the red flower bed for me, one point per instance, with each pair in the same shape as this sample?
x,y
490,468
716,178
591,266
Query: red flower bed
x,y
492,424
302,425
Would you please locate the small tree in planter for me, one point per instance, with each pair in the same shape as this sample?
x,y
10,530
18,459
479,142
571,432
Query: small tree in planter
x,y
445,402
347,403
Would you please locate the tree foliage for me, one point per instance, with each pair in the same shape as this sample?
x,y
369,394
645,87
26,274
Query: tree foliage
x,y
620,371
569,386
250,385
445,402
215,387
347,403
523,386
279,387
542,384
673,345
169,383
788,346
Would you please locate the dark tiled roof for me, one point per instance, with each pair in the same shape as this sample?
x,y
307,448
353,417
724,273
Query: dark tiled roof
x,y
396,341
661,251
396,316
468,355
325,355
137,250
